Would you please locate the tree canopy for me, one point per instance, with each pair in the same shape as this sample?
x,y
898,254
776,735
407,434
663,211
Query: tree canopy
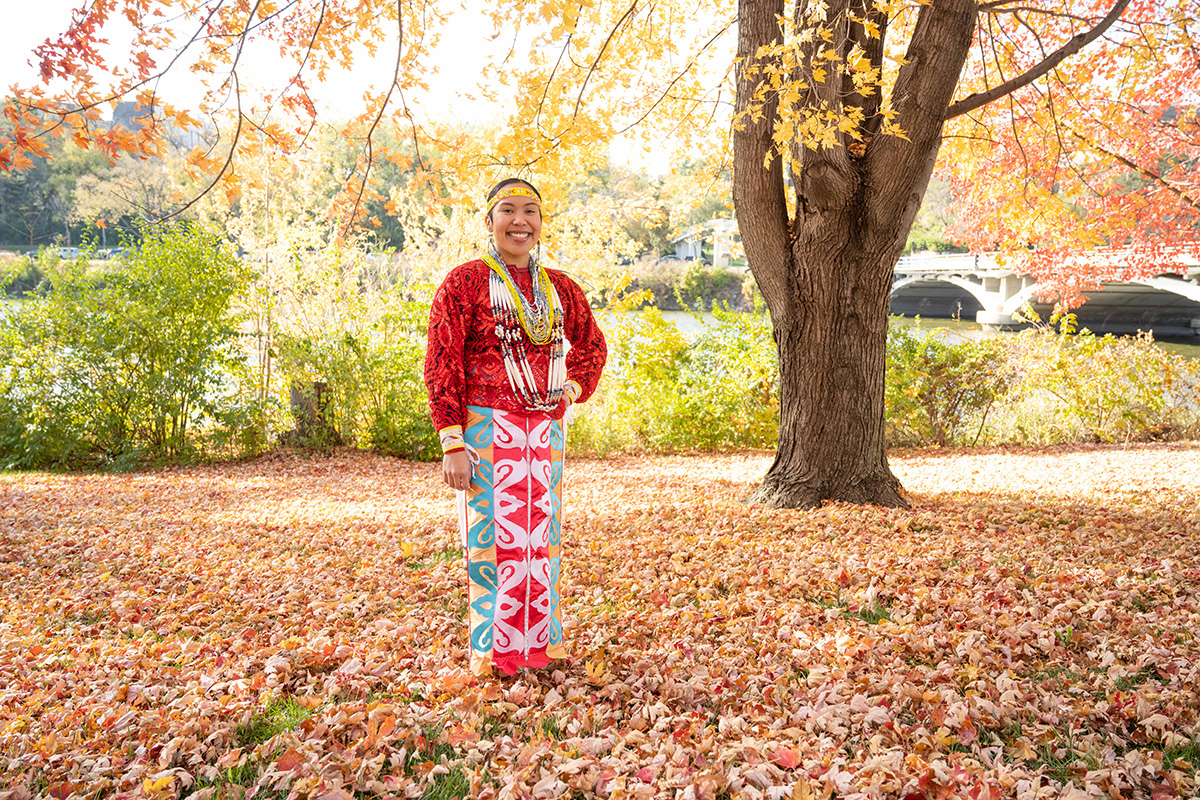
x,y
1073,126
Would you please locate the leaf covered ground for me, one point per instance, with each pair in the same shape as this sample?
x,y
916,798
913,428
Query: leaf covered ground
x,y
291,627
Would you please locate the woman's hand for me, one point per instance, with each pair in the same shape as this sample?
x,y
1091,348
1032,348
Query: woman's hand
x,y
456,469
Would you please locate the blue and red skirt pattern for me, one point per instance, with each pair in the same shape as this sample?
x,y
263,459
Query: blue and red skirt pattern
x,y
511,520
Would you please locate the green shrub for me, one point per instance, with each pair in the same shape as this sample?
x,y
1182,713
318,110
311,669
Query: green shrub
x,y
22,275
933,389
1100,388
730,384
662,393
676,285
105,369
370,359
701,285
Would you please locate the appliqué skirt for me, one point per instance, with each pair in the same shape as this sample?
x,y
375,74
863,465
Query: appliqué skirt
x,y
511,521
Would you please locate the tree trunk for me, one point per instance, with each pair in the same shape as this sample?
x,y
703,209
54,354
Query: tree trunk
x,y
825,269
831,366
310,409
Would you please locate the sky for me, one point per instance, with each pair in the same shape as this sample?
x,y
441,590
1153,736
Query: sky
x,y
28,24
464,49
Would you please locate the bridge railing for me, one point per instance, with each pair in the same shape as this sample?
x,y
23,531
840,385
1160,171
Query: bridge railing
x,y
948,262
989,261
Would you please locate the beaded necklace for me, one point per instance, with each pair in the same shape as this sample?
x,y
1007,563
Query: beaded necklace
x,y
540,321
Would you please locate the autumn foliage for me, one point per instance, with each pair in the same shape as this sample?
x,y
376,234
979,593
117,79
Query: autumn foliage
x,y
296,626
1099,154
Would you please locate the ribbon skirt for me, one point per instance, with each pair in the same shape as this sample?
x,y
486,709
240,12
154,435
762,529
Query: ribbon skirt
x,y
511,521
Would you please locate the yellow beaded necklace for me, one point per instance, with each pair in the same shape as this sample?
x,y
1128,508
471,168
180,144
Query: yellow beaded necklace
x,y
537,318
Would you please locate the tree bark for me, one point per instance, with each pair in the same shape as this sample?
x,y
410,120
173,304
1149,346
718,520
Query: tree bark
x,y
826,272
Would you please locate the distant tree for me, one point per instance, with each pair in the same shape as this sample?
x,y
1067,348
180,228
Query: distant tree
x,y
25,208
930,228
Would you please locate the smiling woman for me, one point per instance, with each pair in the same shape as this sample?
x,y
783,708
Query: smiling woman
x,y
500,383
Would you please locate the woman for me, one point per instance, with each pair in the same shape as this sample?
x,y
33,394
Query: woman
x,y
500,381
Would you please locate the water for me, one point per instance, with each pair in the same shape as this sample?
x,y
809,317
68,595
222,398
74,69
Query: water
x,y
960,330
957,330
691,325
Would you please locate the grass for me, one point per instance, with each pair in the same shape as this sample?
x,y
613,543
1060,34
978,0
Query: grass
x,y
1188,752
877,612
551,729
1061,761
451,785
281,714
433,559
1127,682
873,615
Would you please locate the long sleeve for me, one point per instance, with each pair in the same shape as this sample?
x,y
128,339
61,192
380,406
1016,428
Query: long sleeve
x,y
589,351
445,361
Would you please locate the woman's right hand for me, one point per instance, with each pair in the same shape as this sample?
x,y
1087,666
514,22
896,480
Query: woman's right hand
x,y
456,469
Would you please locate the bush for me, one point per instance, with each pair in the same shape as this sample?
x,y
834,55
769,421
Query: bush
x,y
370,359
24,275
662,393
1099,388
678,285
703,286
934,389
107,369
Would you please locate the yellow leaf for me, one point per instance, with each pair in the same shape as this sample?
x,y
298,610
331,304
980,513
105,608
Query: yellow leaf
x,y
154,787
596,672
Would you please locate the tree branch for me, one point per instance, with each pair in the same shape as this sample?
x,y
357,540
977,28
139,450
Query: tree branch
x,y
1076,43
1144,171
687,68
362,187
82,108
758,188
596,61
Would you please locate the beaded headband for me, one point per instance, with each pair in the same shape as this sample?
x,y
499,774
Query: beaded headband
x,y
513,190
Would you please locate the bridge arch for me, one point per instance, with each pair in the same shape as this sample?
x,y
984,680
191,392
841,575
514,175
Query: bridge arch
x,y
972,288
1162,283
1169,306
1015,303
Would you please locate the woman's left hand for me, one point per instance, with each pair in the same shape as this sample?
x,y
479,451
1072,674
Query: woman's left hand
x,y
456,470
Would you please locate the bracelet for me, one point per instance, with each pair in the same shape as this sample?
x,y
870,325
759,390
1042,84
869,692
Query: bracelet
x,y
452,438
572,390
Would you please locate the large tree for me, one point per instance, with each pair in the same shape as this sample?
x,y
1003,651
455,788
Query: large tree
x,y
826,219
841,109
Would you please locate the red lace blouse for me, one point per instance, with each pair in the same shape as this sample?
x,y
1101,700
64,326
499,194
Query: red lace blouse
x,y
463,365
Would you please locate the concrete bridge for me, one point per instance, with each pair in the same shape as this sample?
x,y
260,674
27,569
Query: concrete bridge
x,y
976,287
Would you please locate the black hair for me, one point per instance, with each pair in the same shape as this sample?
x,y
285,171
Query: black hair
x,y
507,182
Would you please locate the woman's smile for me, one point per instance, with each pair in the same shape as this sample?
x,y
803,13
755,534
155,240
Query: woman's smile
x,y
516,225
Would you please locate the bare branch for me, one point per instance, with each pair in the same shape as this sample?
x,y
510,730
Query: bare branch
x,y
687,68
362,187
1001,8
537,117
233,145
298,76
413,125
1076,43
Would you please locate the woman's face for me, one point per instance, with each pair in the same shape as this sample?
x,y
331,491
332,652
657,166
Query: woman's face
x,y
516,225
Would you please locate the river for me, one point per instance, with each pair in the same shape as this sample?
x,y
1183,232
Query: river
x,y
690,325
956,329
